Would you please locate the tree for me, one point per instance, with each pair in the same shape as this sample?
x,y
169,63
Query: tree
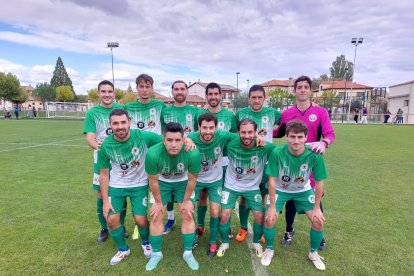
x,y
81,98
9,87
22,97
119,94
60,76
128,97
240,100
328,99
338,71
93,95
129,89
45,92
64,93
280,98
316,82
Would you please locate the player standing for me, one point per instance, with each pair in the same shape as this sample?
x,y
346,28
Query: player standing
x,y
186,116
96,127
170,170
244,173
319,127
266,118
289,169
121,160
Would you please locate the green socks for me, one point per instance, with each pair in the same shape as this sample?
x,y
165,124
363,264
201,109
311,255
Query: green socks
x,y
315,239
143,232
99,211
224,232
257,232
244,215
214,225
201,215
156,243
118,236
269,235
188,240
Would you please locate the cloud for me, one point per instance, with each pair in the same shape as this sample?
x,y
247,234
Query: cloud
x,y
214,39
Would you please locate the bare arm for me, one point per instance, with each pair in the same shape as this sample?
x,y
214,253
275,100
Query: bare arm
x,y
317,213
271,213
91,140
187,205
157,208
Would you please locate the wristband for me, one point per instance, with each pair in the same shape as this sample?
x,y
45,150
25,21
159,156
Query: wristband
x,y
326,143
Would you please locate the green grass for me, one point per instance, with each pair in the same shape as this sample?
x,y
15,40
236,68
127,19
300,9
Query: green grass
x,y
48,222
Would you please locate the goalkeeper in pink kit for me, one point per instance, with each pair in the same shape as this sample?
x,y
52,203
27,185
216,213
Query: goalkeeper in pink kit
x,y
320,136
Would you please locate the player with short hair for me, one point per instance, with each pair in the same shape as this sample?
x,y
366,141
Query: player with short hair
x,y
244,173
226,121
145,113
96,127
186,116
319,126
210,143
170,170
122,175
289,169
266,118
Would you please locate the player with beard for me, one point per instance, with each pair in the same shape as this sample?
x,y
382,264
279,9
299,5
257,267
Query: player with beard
x,y
244,173
226,121
145,113
96,127
186,116
121,160
289,169
319,126
266,118
170,170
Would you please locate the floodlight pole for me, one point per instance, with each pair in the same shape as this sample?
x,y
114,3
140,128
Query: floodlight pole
x,y
355,41
247,86
113,45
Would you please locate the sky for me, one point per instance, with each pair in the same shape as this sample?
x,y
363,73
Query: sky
x,y
205,40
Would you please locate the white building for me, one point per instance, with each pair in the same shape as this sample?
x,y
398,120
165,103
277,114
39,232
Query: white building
x,y
199,89
402,96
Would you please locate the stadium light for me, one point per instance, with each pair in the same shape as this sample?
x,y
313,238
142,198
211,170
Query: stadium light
x,y
113,45
354,41
247,86
237,83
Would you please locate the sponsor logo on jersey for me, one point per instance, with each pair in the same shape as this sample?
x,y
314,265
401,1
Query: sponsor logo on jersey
x,y
299,179
313,118
135,163
151,123
108,131
140,125
204,163
285,178
239,170
187,129
124,166
304,167
262,132
251,170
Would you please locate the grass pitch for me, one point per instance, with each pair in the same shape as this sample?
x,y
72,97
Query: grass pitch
x,y
49,226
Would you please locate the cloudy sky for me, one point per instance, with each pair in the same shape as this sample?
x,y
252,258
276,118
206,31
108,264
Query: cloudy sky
x,y
207,40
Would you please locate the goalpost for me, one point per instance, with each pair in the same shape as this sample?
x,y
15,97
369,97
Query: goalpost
x,y
67,109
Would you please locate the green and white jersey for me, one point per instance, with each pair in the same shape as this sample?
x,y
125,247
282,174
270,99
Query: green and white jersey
x,y
97,121
186,116
212,155
293,172
246,166
265,120
226,120
126,159
172,169
146,116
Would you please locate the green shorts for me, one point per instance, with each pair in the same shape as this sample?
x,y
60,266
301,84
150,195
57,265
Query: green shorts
x,y
303,201
213,189
253,199
137,195
178,188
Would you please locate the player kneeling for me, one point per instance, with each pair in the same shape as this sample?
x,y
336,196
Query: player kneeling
x,y
289,169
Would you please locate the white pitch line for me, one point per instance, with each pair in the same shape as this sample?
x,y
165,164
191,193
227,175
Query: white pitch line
x,y
258,268
57,143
